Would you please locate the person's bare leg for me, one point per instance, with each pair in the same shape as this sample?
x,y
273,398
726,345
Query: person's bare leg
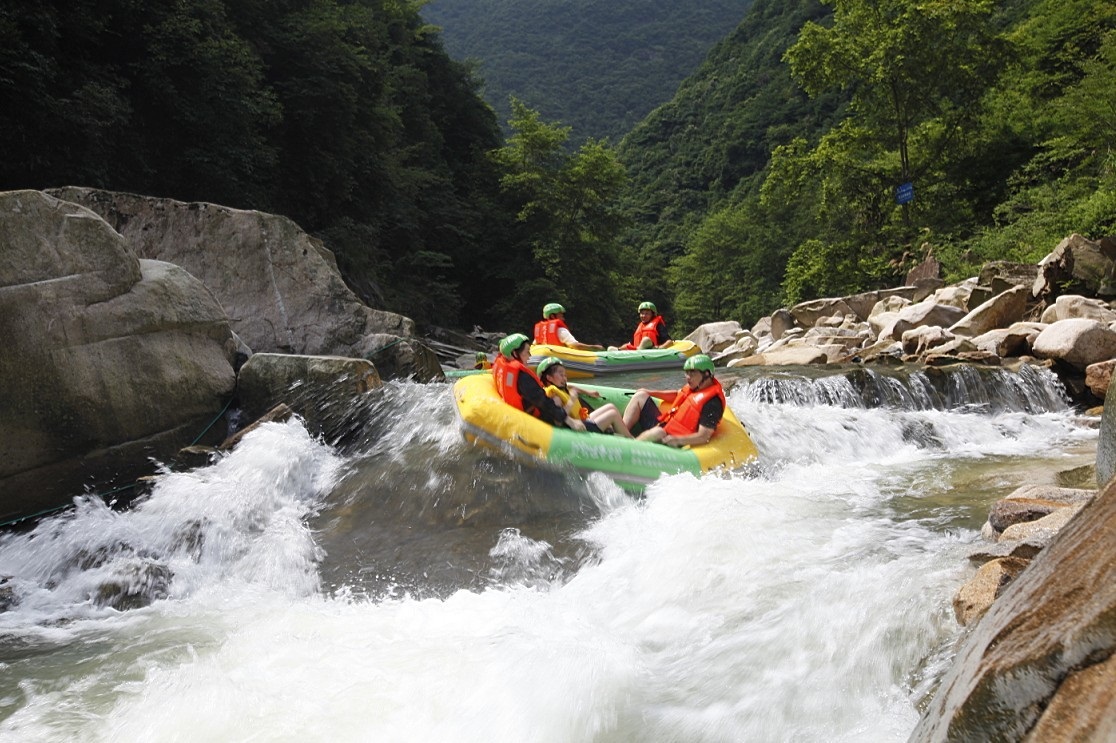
x,y
634,407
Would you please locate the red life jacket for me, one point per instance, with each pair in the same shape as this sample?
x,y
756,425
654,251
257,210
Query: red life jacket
x,y
546,331
683,417
507,383
652,329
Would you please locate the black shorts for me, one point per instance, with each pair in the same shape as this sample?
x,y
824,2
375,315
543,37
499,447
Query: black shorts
x,y
592,427
648,415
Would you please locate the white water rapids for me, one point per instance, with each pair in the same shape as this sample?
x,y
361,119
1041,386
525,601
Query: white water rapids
x,y
805,601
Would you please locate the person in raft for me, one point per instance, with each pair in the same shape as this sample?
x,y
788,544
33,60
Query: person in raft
x,y
695,410
552,330
482,361
605,419
651,332
518,386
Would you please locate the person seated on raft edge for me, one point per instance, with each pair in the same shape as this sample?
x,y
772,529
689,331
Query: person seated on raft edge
x,y
605,419
552,330
518,386
651,332
696,409
482,361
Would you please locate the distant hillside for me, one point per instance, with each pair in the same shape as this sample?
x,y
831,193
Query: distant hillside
x,y
746,194
710,144
597,67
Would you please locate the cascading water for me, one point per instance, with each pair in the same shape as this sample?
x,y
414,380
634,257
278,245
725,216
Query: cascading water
x,y
407,587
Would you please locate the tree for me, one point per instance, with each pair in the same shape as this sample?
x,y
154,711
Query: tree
x,y
569,218
916,73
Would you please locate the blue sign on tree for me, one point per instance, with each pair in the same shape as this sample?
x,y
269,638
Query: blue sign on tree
x,y
904,193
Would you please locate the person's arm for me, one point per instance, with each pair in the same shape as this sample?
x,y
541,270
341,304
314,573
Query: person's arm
x,y
704,433
569,341
550,411
577,392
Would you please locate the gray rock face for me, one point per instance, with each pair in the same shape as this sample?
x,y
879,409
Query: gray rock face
x,y
109,359
1106,439
279,286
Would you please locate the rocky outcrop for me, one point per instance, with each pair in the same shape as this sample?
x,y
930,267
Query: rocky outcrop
x,y
280,287
1039,664
109,360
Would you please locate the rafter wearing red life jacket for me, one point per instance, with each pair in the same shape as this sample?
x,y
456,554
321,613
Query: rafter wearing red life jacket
x,y
546,331
683,417
655,328
507,384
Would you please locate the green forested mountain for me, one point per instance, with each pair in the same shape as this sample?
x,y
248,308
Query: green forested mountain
x,y
598,67
772,174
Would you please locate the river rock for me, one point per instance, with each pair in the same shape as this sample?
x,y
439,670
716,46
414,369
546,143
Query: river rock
x,y
1098,377
1078,266
786,356
998,312
1069,306
109,360
280,287
715,337
328,392
1083,708
925,313
1077,342
1053,623
978,594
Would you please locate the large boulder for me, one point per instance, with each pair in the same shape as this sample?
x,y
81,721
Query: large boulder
x,y
715,337
1000,311
328,392
108,361
925,313
1037,661
1078,266
280,287
1069,306
1077,342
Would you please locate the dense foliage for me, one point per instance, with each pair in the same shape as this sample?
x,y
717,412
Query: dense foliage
x,y
346,116
770,176
598,67
1000,116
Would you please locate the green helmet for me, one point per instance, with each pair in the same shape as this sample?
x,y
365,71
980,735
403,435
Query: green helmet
x,y
481,356
552,309
648,306
700,361
511,344
546,363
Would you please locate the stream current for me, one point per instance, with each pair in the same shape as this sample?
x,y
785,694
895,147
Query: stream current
x,y
401,585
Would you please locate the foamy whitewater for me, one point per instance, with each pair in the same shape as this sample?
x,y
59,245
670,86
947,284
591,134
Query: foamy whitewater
x,y
299,592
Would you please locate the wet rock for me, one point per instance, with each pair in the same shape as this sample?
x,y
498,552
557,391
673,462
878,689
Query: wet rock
x,y
135,585
328,392
977,595
1006,512
1057,618
110,361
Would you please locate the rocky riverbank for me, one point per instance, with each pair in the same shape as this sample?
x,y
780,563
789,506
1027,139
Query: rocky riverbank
x,y
134,324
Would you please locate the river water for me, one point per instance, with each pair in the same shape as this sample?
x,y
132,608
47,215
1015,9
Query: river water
x,y
402,586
